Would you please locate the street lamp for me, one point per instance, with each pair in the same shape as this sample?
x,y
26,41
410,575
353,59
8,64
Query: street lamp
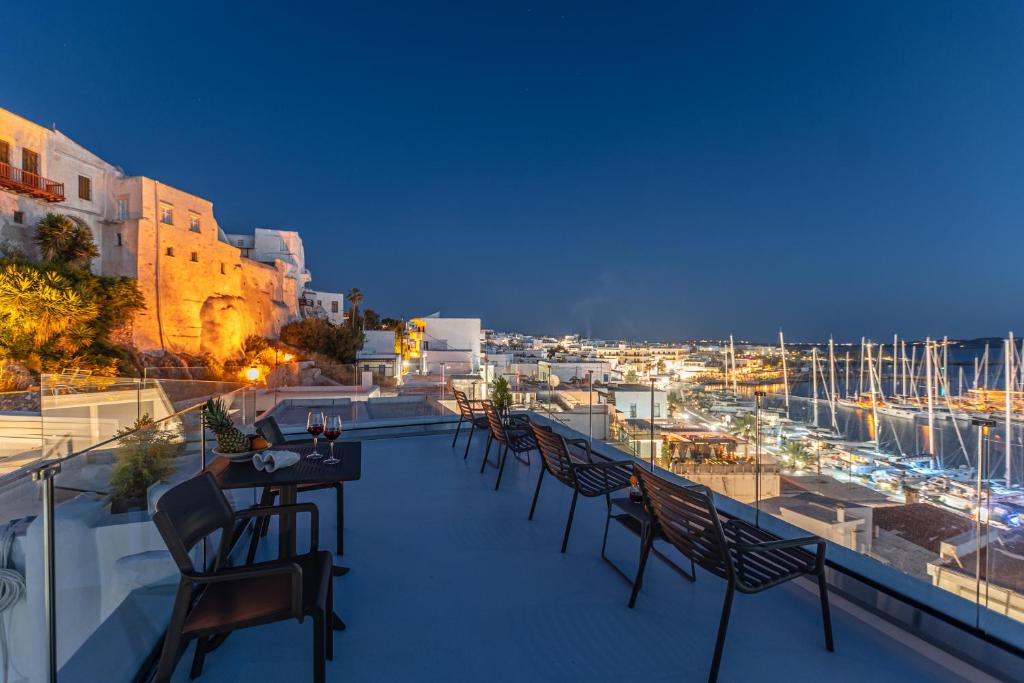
x,y
252,374
983,426
758,395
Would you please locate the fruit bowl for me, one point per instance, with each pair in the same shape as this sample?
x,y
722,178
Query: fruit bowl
x,y
244,456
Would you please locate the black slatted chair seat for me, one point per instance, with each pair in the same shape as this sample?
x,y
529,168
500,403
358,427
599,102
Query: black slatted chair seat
x,y
578,471
601,480
511,433
211,604
258,600
469,412
750,559
757,570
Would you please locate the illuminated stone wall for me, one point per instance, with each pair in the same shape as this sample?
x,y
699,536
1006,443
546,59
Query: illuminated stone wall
x,y
201,295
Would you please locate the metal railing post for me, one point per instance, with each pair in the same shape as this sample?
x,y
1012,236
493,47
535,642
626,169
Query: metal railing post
x,y
46,475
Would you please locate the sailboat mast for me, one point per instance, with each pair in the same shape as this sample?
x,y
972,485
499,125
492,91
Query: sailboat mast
x,y
785,370
928,390
895,364
832,381
860,366
903,368
1009,353
881,393
814,382
945,363
732,353
846,384
874,402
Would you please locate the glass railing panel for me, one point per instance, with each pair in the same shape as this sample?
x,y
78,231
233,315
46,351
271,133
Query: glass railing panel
x,y
23,641
862,477
21,429
115,580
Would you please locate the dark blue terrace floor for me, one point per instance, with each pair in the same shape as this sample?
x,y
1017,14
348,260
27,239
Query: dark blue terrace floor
x,y
451,582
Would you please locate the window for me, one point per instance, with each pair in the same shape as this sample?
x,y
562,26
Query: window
x,y
334,309
321,303
5,152
632,410
170,251
119,241
194,257
85,188
242,243
166,214
193,221
222,269
29,161
19,216
122,208
657,408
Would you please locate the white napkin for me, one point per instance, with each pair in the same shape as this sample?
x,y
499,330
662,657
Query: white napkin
x,y
270,461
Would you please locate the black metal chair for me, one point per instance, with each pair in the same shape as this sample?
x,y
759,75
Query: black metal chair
x,y
510,433
749,559
270,430
211,604
584,477
468,413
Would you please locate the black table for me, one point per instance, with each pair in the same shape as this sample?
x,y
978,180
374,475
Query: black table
x,y
242,475
633,516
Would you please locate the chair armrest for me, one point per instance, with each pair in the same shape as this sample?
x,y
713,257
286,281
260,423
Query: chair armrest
x,y
787,543
230,574
264,511
611,464
585,445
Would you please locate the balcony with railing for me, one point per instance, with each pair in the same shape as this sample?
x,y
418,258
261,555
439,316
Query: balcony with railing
x,y
449,579
25,182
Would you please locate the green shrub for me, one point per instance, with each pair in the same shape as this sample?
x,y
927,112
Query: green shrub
x,y
144,455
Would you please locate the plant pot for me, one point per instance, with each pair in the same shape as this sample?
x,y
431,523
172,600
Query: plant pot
x,y
119,505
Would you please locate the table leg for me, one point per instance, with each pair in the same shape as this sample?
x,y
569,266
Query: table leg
x,y
286,541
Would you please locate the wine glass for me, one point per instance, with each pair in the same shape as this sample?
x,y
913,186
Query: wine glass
x,y
332,432
315,426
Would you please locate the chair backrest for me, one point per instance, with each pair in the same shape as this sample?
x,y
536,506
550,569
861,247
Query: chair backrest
x,y
465,409
268,427
688,519
188,513
496,424
555,453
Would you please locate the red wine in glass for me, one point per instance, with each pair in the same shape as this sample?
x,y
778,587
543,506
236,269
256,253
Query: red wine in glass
x,y
315,426
332,432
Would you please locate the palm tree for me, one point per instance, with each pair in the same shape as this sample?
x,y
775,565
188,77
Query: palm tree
x,y
66,239
743,426
42,305
355,297
796,453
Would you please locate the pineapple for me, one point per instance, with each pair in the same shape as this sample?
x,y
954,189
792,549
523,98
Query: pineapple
x,y
229,438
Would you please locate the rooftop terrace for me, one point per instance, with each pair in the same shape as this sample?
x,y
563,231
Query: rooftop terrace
x,y
450,581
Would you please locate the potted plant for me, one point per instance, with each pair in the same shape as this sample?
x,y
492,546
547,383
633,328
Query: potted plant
x,y
501,396
143,458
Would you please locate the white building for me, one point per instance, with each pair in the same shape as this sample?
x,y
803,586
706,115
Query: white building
x,y
267,245
327,305
579,370
44,171
634,401
378,354
452,342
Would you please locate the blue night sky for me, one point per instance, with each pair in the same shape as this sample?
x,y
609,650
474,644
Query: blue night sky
x,y
638,170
